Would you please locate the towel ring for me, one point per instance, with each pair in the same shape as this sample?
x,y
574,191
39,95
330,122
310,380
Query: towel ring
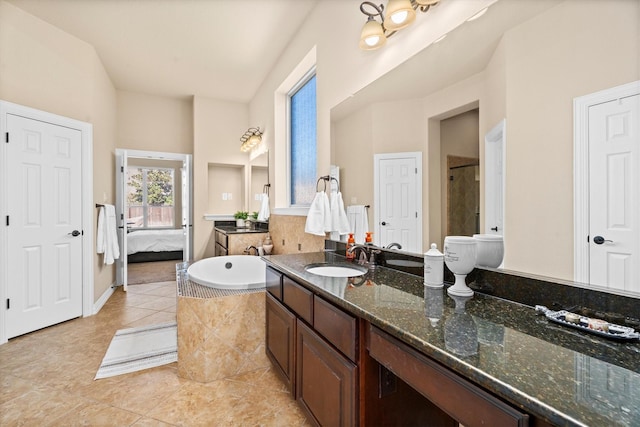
x,y
322,178
326,178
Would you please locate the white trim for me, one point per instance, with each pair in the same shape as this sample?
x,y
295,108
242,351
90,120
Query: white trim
x,y
581,107
282,162
88,246
124,154
295,211
417,155
97,306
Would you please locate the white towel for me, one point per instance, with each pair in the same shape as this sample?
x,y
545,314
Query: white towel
x,y
339,220
107,238
264,213
358,221
317,215
344,227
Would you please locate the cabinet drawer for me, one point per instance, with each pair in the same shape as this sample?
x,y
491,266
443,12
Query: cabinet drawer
x,y
338,327
467,403
297,298
273,283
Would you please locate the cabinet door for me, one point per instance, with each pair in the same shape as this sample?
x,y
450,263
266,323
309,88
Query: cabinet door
x,y
280,335
326,381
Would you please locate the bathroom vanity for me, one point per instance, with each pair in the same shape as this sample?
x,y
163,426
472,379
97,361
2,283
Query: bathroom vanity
x,y
381,349
232,240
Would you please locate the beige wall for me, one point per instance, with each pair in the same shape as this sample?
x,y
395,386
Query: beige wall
x,y
532,78
155,123
342,68
543,77
47,69
218,126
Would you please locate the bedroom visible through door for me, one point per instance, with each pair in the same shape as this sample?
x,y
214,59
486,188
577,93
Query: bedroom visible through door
x,y
153,211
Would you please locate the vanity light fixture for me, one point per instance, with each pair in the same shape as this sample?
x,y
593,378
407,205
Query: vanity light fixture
x,y
399,14
251,138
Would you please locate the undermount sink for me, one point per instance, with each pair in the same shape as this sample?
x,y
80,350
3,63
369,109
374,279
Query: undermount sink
x,y
336,270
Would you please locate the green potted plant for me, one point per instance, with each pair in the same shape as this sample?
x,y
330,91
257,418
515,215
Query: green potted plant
x,y
240,217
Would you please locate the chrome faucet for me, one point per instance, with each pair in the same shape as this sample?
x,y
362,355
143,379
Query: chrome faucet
x,y
393,245
368,253
248,250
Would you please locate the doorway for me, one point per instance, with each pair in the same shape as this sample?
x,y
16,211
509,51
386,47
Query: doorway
x,y
153,210
46,259
606,192
463,196
398,200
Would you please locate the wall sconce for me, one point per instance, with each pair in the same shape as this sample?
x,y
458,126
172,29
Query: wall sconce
x,y
400,14
251,139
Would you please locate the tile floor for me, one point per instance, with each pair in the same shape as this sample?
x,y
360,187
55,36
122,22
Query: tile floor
x,y
47,377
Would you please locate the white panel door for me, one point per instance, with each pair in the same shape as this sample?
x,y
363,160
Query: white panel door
x,y
614,193
494,143
45,225
397,210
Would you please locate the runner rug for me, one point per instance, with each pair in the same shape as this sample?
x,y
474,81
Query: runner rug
x,y
140,348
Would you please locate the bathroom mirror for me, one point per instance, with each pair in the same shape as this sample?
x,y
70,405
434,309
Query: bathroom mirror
x,y
524,61
259,177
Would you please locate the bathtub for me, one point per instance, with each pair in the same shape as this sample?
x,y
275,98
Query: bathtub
x,y
229,272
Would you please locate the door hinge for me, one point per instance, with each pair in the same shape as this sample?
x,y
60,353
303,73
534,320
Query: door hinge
x,y
122,169
7,220
6,137
416,171
416,214
122,217
8,303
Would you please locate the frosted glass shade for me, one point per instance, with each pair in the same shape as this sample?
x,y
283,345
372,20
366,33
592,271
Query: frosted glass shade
x,y
372,35
399,14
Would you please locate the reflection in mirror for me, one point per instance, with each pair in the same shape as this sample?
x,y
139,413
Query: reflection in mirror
x,y
525,62
259,178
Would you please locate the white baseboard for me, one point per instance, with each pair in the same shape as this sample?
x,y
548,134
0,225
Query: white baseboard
x,y
97,306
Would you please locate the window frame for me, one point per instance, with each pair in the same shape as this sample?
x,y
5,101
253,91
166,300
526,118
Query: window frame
x,y
145,205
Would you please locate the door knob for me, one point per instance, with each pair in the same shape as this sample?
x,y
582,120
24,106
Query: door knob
x,y
598,240
383,223
74,233
494,228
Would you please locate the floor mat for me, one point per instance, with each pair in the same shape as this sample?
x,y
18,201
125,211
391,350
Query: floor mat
x,y
151,272
135,349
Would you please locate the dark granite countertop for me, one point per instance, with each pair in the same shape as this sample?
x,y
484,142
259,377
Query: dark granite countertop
x,y
228,229
565,376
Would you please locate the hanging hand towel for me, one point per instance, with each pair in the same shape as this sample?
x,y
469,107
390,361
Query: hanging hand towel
x,y
315,223
335,214
327,211
107,241
358,221
343,223
264,213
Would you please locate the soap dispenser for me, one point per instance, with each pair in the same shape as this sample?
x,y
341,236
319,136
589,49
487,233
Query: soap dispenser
x,y
434,267
350,243
368,238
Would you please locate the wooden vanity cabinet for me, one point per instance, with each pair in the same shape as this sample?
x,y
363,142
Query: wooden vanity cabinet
x,y
313,346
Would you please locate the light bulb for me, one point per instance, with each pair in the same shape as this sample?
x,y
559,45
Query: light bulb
x,y
399,17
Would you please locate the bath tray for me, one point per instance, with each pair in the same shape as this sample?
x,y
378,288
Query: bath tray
x,y
613,331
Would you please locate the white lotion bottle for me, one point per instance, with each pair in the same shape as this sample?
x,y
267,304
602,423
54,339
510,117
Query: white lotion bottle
x,y
434,267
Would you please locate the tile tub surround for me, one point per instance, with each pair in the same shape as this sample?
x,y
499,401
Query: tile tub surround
x,y
220,333
549,371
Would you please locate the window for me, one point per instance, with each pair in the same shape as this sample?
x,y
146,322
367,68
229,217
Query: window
x,y
302,141
150,197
